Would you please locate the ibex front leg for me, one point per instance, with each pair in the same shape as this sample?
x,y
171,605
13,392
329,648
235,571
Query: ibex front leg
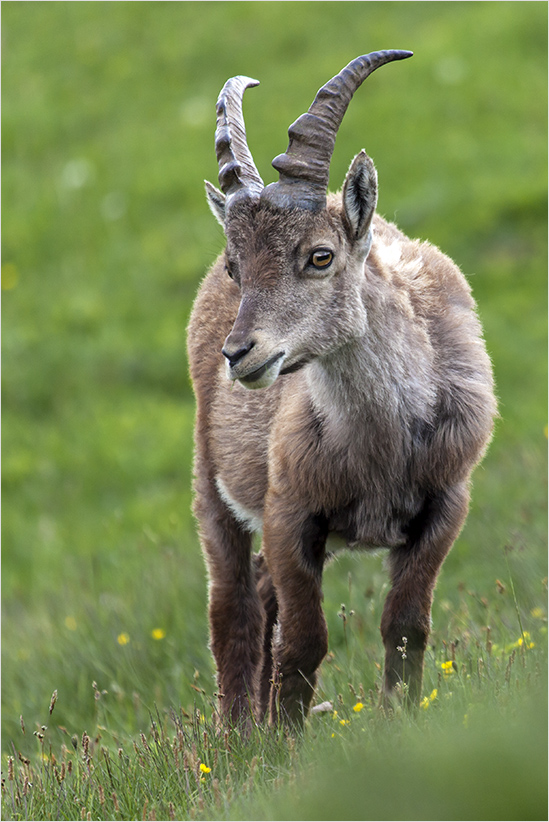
x,y
267,596
406,620
294,549
236,615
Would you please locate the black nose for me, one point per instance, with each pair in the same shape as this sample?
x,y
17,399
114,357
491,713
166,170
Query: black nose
x,y
235,356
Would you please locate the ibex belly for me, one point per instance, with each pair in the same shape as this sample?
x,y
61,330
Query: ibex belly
x,y
368,523
359,526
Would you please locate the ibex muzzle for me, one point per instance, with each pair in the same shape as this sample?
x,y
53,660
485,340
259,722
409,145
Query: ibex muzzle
x,y
377,404
249,352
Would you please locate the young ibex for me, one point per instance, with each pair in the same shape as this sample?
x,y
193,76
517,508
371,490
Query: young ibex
x,y
377,403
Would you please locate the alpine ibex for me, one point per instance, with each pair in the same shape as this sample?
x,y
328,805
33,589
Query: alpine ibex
x,y
376,404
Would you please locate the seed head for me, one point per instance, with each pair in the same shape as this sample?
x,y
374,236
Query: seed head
x,y
53,701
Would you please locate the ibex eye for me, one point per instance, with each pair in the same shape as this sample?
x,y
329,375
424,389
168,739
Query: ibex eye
x,y
321,258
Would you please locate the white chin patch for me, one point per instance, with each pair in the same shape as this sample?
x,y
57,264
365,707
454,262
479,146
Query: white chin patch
x,y
264,376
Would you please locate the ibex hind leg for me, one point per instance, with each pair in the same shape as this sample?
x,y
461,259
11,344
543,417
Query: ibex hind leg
x,y
406,619
235,612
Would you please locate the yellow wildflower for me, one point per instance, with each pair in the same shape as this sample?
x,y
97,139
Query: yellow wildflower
x,y
123,639
427,700
158,633
538,613
529,644
447,667
344,721
204,768
522,640
358,707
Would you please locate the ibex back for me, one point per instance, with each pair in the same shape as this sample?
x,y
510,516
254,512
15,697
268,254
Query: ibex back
x,y
376,402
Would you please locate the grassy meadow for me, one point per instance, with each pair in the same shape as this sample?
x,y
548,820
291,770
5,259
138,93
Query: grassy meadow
x,y
107,133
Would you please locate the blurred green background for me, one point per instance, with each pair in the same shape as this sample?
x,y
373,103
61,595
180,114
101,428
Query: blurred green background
x,y
107,130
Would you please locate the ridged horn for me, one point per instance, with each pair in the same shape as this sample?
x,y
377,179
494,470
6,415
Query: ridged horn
x,y
237,169
304,168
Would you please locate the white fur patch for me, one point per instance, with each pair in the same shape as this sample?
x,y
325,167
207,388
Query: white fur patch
x,y
252,521
413,267
389,255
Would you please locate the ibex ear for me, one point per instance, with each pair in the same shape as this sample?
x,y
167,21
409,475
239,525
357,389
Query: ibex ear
x,y
360,197
216,201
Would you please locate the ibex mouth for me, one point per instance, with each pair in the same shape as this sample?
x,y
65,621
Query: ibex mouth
x,y
263,376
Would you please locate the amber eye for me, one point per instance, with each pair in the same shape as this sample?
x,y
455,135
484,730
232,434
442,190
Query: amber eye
x,y
321,258
229,271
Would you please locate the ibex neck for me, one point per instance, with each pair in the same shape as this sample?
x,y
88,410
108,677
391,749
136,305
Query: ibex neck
x,y
372,383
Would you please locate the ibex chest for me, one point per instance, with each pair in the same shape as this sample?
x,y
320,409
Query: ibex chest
x,y
355,471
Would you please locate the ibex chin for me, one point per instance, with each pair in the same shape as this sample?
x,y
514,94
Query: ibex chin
x,y
376,403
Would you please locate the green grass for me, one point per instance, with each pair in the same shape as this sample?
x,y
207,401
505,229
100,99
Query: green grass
x,y
475,750
108,121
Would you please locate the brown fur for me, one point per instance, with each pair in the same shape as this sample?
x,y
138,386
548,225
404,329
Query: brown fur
x,y
373,438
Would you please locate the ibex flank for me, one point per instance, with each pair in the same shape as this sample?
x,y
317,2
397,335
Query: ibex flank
x,y
374,403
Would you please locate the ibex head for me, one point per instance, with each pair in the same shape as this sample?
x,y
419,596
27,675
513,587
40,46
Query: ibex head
x,y
296,257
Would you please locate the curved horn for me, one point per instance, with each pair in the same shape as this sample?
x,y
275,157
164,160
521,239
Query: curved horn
x,y
236,166
304,168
